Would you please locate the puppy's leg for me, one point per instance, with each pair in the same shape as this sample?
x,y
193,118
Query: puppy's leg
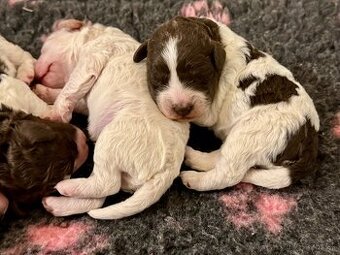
x,y
101,183
255,140
105,179
20,58
224,174
94,56
145,196
49,95
65,206
201,161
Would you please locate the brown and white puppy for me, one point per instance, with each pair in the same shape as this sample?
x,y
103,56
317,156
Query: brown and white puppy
x,y
35,154
201,71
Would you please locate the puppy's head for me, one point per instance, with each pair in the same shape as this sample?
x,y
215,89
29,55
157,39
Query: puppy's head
x,y
185,59
35,154
59,52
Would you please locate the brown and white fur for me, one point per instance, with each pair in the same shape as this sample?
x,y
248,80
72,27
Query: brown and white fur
x,y
35,153
137,148
201,71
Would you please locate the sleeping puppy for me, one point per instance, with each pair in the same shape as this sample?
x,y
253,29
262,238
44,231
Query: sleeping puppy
x,y
201,71
137,148
35,153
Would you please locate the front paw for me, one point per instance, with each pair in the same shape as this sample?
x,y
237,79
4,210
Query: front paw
x,y
54,206
44,93
26,72
53,115
59,116
198,160
189,156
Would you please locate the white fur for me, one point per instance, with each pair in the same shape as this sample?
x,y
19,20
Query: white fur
x,y
14,92
252,136
20,63
137,147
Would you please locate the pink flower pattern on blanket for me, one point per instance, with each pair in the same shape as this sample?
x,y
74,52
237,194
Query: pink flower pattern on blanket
x,y
336,125
201,8
269,209
76,238
13,2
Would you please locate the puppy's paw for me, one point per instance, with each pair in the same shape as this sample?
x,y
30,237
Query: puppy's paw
x,y
45,93
198,160
55,206
65,206
53,115
191,179
70,187
190,157
26,72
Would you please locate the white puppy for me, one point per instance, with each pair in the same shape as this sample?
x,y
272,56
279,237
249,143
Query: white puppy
x,y
201,71
17,69
137,147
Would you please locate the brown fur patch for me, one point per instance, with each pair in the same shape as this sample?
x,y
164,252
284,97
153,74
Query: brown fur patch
x,y
247,81
253,53
274,89
301,152
35,154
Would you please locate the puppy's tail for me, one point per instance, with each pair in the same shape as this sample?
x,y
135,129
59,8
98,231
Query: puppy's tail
x,y
144,197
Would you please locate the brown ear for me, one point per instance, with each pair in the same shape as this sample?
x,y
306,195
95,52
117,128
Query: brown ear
x,y
218,56
68,24
141,52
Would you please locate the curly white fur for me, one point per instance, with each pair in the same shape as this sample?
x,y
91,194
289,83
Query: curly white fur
x,y
137,148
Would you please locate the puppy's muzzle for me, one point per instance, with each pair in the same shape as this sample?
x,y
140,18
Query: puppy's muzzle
x,y
183,110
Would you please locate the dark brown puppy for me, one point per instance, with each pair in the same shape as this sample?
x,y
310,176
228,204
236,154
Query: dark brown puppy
x,y
35,154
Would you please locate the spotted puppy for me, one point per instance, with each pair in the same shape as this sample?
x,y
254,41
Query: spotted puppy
x,y
201,71
35,153
137,148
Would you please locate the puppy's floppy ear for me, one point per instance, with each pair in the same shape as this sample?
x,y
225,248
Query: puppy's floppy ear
x,y
141,52
218,56
68,24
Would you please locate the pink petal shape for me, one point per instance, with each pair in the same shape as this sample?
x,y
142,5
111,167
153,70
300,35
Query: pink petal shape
x,y
53,238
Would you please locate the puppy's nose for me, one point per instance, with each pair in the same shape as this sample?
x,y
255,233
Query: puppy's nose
x,y
183,110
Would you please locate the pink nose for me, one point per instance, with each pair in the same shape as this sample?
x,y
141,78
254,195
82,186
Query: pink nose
x,y
183,110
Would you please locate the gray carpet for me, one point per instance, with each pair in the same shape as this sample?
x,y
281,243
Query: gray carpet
x,y
303,219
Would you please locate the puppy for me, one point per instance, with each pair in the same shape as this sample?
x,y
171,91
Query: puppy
x,y
201,71
35,154
137,148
